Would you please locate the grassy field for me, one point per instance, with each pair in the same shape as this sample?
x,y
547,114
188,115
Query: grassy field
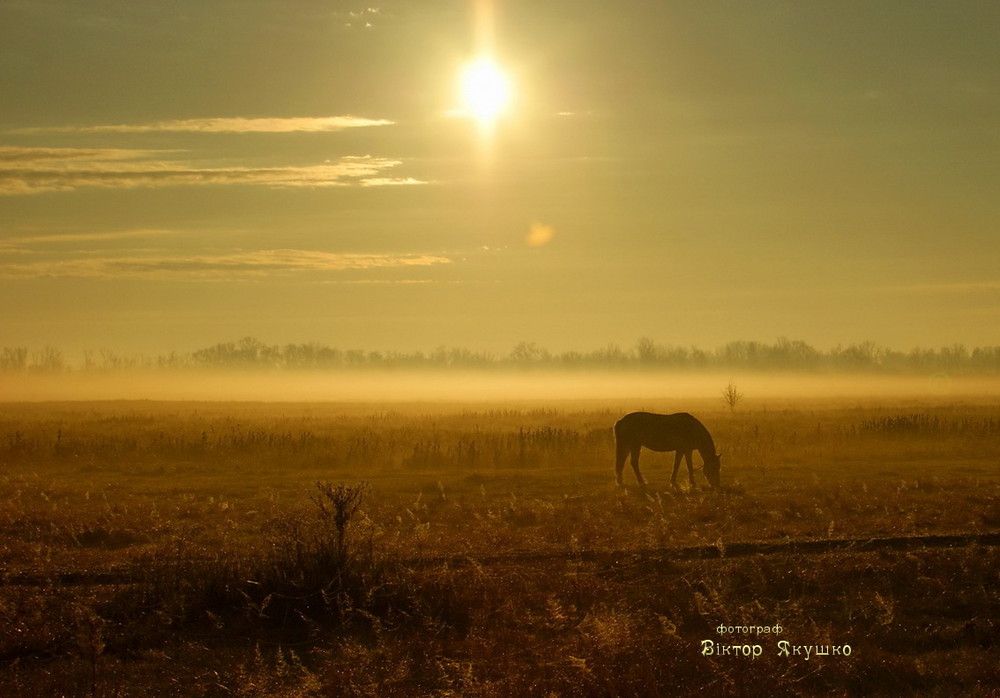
x,y
278,549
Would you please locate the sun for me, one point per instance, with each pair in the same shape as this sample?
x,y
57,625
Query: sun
x,y
485,90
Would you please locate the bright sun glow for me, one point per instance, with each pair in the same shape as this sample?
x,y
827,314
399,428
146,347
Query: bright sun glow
x,y
485,90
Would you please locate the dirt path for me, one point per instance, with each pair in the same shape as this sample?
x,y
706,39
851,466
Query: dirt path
x,y
125,576
730,550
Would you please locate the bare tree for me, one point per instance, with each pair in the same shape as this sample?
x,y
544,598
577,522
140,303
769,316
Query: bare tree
x,y
731,396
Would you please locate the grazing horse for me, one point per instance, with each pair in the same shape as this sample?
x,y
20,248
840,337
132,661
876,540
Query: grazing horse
x,y
665,432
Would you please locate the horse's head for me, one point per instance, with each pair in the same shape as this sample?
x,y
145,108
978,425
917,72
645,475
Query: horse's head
x,y
713,465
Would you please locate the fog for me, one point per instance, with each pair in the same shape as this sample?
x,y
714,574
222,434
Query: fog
x,y
471,386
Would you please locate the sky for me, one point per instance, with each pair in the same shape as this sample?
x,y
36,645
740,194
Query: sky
x,y
178,174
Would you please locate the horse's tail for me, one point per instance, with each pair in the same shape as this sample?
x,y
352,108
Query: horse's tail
x,y
622,449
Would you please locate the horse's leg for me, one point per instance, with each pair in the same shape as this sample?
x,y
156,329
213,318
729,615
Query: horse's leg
x,y
635,466
677,464
687,457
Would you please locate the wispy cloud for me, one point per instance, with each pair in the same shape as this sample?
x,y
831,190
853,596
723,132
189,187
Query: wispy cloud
x,y
256,264
360,19
959,287
62,238
37,170
222,125
389,181
17,158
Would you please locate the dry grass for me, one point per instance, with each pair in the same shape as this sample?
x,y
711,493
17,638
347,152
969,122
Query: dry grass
x,y
185,549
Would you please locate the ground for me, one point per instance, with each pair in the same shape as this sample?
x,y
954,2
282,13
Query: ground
x,y
483,549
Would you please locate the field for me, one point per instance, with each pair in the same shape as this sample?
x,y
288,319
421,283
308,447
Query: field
x,y
482,549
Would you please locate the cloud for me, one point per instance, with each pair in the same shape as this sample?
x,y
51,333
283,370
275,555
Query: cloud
x,y
257,264
960,287
17,158
360,19
59,238
223,125
389,181
36,170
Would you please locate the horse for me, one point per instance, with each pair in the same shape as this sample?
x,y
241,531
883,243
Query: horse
x,y
665,432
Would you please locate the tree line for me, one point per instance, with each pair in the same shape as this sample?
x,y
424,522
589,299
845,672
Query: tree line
x,y
645,354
